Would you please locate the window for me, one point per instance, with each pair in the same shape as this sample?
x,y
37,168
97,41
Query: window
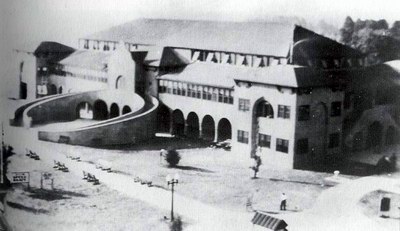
x,y
264,140
283,111
214,94
243,136
244,105
304,113
302,146
336,108
282,145
174,88
230,97
334,140
205,92
169,87
184,87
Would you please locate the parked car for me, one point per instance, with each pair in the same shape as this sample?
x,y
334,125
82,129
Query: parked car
x,y
226,144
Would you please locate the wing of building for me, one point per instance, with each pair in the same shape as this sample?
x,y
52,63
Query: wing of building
x,y
281,91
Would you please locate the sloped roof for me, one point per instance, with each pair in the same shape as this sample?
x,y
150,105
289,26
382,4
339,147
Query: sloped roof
x,y
247,37
94,60
225,75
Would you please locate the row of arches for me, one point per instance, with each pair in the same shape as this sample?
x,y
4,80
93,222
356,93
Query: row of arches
x,y
99,110
206,128
376,137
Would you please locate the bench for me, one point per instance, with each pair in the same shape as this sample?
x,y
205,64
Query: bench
x,y
33,155
63,168
92,178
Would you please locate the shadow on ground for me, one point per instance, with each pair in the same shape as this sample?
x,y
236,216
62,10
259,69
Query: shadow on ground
x,y
51,195
26,208
158,143
190,168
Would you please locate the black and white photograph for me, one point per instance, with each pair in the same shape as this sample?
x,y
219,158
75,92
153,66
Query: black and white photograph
x,y
200,115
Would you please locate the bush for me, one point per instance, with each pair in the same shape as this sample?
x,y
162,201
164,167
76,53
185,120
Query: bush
x,y
172,158
176,225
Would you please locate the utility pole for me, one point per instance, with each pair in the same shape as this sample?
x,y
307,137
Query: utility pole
x,y
2,154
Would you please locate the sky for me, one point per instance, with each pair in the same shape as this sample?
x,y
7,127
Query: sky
x,y
24,23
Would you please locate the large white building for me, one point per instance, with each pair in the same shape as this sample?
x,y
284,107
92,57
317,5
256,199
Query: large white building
x,y
294,97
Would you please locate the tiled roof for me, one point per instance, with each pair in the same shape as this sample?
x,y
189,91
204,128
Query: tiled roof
x,y
247,37
94,60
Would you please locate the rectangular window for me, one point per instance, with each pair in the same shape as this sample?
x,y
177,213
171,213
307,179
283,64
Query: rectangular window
x,y
304,113
336,108
199,90
220,95
169,87
283,111
302,146
205,90
194,91
184,87
282,145
214,94
230,97
334,140
244,104
264,140
179,88
174,88
243,136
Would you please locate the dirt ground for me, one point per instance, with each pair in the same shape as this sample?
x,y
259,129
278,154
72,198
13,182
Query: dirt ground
x,y
210,175
74,204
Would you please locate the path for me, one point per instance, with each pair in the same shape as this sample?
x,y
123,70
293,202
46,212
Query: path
x,y
335,209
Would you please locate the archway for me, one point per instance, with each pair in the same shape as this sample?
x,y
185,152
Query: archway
x,y
100,111
224,129
192,125
163,119
126,110
374,138
52,89
114,110
84,110
208,128
119,82
178,123
261,109
391,136
60,90
264,109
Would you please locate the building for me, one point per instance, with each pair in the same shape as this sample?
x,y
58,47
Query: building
x,y
294,97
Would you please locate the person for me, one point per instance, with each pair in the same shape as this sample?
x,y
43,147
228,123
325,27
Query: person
x,y
283,201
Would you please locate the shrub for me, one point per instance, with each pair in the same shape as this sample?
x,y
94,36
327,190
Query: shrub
x,y
176,225
172,158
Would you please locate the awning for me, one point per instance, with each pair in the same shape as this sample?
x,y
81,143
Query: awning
x,y
268,222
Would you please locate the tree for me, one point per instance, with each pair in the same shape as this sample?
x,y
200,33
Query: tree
x,y
256,166
347,30
172,158
395,30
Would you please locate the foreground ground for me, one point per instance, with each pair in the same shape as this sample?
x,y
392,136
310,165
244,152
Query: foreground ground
x,y
212,181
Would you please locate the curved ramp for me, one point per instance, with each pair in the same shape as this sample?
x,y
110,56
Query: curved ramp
x,y
128,128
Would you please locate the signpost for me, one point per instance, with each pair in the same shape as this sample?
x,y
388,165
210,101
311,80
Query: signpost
x,y
20,177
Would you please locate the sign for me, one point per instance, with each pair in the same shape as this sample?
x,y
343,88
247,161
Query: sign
x,y
20,177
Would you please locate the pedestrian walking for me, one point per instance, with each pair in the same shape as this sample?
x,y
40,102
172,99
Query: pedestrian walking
x,y
283,201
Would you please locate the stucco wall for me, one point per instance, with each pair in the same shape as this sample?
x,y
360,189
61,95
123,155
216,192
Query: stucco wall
x,y
129,130
315,129
276,127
